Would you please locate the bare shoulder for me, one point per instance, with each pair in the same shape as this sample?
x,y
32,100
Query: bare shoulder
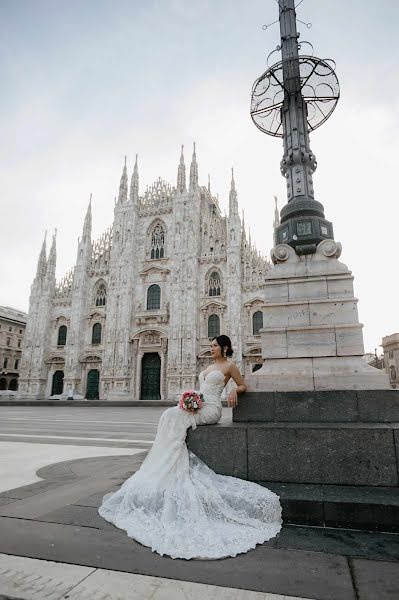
x,y
235,374
232,368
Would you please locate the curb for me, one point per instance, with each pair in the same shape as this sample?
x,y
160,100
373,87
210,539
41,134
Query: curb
x,y
80,403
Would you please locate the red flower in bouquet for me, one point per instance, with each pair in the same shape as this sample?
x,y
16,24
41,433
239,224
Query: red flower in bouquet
x,y
191,401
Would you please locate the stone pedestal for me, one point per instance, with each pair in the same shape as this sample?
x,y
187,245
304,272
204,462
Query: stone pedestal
x,y
311,336
332,457
317,425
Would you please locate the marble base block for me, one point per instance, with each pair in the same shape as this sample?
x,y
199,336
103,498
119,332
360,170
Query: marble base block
x,y
312,338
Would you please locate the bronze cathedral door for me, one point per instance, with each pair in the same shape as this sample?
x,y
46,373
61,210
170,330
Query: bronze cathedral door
x,y
93,380
151,376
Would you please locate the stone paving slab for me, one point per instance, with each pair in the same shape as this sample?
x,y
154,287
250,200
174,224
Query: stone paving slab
x,y
139,587
100,474
286,572
95,499
375,580
81,516
302,561
37,579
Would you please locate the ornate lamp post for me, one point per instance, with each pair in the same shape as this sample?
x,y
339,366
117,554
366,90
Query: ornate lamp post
x,y
291,98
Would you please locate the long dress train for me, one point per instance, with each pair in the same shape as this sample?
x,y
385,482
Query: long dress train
x,y
178,506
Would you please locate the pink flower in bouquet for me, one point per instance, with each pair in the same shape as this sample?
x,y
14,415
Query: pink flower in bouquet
x,y
191,401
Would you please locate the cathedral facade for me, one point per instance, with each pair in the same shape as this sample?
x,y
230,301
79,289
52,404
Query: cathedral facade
x,y
134,318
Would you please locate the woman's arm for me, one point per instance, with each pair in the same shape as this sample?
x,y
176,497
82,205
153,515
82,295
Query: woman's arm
x,y
240,389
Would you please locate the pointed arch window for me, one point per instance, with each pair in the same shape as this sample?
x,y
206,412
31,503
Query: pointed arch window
x,y
158,242
214,284
62,335
13,386
154,297
213,326
101,295
96,334
257,322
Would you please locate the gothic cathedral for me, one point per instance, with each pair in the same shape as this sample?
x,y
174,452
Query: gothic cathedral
x,y
134,318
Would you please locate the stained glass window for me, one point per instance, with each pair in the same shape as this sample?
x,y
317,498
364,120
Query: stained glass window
x,y
158,242
154,297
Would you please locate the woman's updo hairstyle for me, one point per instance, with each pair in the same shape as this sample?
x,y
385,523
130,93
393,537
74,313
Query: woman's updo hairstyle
x,y
223,341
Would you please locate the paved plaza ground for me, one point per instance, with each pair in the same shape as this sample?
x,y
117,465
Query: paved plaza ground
x,y
57,465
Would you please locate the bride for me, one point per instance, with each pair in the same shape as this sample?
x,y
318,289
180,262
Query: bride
x,y
177,505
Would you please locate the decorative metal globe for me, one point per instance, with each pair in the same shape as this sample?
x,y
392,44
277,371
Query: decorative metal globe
x,y
319,87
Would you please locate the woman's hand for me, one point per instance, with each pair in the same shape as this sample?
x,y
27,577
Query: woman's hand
x,y
232,398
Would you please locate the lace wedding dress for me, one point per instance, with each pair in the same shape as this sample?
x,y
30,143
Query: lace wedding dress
x,y
178,506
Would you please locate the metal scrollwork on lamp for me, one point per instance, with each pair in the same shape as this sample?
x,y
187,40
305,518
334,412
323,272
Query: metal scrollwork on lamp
x,y
293,97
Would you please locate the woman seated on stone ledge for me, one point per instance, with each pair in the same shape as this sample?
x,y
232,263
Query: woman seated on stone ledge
x,y
178,506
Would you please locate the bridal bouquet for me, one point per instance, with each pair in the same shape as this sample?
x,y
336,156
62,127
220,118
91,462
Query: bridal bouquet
x,y
191,401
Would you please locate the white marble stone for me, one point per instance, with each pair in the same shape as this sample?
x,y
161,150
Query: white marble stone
x,y
303,289
332,338
311,341
340,286
277,291
282,375
292,314
274,343
349,340
347,373
332,311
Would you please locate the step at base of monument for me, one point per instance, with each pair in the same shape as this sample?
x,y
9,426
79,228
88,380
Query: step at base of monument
x,y
349,507
364,406
347,454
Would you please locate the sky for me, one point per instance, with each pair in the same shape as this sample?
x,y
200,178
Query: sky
x,y
86,82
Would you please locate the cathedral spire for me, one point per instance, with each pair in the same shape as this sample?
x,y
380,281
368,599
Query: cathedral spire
x,y
233,203
243,232
193,172
181,173
42,261
52,258
123,186
134,184
87,223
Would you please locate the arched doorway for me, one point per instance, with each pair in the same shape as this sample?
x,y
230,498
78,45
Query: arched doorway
x,y
58,383
3,383
151,376
13,385
93,385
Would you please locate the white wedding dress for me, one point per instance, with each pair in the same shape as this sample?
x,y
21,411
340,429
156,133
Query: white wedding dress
x,y
178,506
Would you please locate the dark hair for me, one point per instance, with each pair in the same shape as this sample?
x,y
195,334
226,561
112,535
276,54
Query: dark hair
x,y
223,341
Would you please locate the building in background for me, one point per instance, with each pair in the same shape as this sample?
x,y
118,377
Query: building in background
x,y
12,329
374,360
135,316
390,345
